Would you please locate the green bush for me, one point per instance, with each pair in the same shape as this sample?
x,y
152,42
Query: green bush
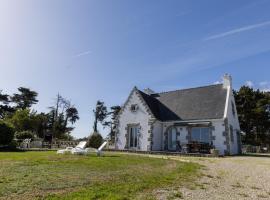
x,y
95,140
24,135
6,133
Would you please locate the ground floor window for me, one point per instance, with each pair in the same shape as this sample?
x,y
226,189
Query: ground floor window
x,y
133,136
200,134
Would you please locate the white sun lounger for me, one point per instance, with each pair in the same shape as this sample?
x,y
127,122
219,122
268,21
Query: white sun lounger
x,y
81,150
99,150
78,148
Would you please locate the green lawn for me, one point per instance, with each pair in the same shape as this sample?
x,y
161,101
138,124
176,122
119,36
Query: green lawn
x,y
45,175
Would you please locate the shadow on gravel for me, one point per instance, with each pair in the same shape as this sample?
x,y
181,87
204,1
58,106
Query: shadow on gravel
x,y
256,155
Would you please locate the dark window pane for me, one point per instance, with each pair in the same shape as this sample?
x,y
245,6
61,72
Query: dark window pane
x,y
131,137
205,135
195,134
135,136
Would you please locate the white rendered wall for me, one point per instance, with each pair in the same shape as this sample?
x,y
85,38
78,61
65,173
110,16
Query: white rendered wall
x,y
233,120
128,117
219,128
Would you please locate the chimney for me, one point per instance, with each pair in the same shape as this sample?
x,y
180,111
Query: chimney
x,y
148,91
227,81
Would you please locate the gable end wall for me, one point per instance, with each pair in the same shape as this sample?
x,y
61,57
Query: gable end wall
x,y
142,117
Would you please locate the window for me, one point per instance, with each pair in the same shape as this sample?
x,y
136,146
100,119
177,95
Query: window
x,y
200,135
134,107
233,109
172,139
231,133
133,136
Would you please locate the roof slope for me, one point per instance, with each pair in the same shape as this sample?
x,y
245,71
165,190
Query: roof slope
x,y
188,104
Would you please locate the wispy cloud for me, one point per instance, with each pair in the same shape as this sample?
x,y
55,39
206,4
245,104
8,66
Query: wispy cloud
x,y
217,82
263,85
82,54
74,58
238,30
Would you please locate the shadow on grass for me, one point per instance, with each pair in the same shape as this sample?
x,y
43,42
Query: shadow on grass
x,y
6,149
110,156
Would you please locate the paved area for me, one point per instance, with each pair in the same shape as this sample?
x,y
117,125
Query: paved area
x,y
241,177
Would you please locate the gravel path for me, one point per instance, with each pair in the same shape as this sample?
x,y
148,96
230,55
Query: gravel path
x,y
241,177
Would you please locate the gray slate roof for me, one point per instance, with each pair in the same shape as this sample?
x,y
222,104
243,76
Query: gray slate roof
x,y
200,103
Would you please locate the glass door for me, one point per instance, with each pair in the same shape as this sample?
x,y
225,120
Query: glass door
x,y
172,140
133,137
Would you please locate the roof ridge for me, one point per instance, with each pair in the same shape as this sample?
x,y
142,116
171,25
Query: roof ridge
x,y
188,89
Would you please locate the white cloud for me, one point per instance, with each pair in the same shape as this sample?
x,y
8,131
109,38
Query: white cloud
x,y
265,86
217,82
238,30
82,54
264,83
249,83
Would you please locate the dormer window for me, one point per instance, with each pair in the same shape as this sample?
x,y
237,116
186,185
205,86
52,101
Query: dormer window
x,y
134,107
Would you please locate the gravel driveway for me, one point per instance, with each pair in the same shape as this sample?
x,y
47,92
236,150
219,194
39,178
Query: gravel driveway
x,y
237,178
240,177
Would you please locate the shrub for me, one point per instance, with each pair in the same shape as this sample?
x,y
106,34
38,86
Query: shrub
x,y
6,133
95,140
24,135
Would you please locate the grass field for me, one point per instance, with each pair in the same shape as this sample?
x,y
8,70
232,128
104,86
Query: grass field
x,y
45,175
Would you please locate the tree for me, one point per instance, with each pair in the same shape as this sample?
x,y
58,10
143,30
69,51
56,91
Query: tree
x,y
59,116
100,113
4,98
72,115
25,99
254,115
113,121
40,124
22,120
95,140
24,135
5,109
6,133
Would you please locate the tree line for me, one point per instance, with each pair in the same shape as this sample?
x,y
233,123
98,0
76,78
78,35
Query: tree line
x,y
19,119
253,107
107,119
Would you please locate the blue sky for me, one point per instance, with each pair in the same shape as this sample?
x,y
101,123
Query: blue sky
x,y
90,50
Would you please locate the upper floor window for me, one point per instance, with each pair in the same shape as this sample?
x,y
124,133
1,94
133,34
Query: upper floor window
x,y
134,107
200,134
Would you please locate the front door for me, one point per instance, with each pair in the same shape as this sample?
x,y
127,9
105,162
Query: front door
x,y
172,139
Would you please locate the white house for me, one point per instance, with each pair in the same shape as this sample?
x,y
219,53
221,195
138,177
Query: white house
x,y
167,121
